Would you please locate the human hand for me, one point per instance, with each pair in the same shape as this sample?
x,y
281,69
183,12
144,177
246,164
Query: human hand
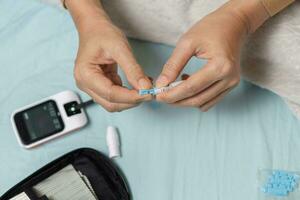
x,y
217,38
102,48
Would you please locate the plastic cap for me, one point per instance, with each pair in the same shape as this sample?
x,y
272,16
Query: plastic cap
x,y
113,142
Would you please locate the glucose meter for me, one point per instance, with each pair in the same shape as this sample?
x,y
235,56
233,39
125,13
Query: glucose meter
x,y
48,119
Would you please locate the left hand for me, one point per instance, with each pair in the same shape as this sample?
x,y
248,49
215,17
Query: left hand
x,y
217,38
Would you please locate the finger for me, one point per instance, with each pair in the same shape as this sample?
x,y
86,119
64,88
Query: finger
x,y
131,68
179,58
196,83
110,107
94,79
204,96
214,101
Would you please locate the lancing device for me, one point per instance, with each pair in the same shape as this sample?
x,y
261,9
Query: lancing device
x,y
155,91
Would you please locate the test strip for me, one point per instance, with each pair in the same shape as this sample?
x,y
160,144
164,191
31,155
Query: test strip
x,y
155,91
145,92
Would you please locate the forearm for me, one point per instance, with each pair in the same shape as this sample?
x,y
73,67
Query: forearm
x,y
86,12
275,6
252,13
255,12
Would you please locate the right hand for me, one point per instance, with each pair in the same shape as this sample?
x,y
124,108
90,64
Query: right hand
x,y
102,48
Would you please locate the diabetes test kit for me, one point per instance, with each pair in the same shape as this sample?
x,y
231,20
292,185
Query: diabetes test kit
x,y
49,118
83,174
57,115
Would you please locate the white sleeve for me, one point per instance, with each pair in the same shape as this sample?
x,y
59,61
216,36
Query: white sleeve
x,y
53,2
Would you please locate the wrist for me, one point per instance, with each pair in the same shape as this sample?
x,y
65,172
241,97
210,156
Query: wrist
x,y
252,13
86,13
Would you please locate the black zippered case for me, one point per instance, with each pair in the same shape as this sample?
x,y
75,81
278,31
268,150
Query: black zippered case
x,y
103,175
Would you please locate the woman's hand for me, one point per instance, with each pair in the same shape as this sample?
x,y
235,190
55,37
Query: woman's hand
x,y
102,48
217,38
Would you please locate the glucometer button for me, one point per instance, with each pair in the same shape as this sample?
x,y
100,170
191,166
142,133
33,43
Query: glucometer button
x,y
71,109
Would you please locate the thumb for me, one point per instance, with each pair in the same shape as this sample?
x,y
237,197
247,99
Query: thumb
x,y
132,69
179,58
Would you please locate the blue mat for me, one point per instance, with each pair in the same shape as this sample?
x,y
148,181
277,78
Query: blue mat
x,y
168,153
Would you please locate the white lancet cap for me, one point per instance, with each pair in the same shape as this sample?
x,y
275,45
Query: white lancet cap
x,y
113,142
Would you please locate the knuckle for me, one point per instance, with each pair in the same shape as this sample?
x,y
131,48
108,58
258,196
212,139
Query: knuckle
x,y
77,76
163,98
100,56
76,73
83,73
206,107
109,96
223,67
111,108
226,69
169,101
168,98
170,67
134,72
195,103
137,100
203,109
191,88
216,69
120,47
186,42
235,81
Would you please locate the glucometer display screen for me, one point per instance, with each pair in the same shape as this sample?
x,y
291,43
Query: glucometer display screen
x,y
39,122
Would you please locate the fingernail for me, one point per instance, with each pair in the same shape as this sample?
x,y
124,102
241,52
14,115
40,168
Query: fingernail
x,y
185,76
144,83
204,109
151,79
161,81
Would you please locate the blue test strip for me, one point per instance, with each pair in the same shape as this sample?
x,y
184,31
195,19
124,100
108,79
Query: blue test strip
x,y
145,92
155,91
